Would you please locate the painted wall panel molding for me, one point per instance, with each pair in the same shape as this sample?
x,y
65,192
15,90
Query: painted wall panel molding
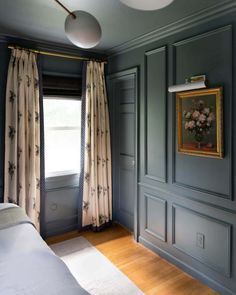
x,y
155,155
197,235
155,210
184,63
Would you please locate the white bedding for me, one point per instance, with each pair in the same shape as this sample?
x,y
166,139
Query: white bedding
x,y
29,267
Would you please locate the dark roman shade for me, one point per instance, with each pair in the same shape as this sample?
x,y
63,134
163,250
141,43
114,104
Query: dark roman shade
x,y
58,85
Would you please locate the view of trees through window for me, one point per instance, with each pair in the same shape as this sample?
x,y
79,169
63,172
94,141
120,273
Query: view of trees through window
x,y
62,127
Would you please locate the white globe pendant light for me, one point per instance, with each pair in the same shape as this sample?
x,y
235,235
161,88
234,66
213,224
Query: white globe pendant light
x,y
82,29
147,4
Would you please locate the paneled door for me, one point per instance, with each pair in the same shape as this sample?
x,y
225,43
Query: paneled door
x,y
123,98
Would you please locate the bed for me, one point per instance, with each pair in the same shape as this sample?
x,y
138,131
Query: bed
x,y
27,265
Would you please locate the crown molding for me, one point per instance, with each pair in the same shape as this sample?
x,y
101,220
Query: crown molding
x,y
48,46
185,23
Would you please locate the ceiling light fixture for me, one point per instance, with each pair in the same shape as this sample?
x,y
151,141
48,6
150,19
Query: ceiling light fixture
x,y
147,4
81,28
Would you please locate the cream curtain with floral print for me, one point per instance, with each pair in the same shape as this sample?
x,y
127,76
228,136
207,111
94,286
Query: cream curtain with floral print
x,y
97,189
22,134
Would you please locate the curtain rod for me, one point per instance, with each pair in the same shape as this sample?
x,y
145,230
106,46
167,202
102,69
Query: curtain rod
x,y
57,54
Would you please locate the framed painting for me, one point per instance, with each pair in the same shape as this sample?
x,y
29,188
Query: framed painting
x,y
200,122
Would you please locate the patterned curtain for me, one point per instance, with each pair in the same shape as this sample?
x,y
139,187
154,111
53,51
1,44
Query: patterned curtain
x,y
97,189
22,134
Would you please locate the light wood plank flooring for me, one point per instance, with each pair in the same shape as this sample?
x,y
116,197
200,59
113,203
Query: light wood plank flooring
x,y
152,274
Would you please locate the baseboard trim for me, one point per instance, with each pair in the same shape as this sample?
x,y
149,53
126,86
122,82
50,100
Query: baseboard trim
x,y
185,267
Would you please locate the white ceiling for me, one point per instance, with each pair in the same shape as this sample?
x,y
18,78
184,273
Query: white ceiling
x,y
43,20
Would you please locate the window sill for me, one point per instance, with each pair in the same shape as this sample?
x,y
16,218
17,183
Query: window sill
x,y
62,180
61,174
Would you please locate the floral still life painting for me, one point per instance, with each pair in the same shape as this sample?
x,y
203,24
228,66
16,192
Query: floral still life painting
x,y
199,122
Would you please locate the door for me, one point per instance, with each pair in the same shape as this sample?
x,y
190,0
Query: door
x,y
123,97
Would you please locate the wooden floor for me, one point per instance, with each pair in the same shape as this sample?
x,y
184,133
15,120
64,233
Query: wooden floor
x,y
152,274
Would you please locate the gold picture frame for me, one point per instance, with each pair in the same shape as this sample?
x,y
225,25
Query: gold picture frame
x,y
200,122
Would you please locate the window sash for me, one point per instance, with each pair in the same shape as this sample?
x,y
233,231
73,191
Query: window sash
x,y
52,129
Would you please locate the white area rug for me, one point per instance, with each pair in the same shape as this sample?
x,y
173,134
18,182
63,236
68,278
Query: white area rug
x,y
93,271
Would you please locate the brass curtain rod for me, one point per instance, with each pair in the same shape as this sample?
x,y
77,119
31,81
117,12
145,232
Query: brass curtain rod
x,y
57,54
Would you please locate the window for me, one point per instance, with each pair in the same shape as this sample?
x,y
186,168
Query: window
x,y
62,125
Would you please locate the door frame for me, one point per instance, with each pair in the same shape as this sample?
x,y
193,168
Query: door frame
x,y
131,71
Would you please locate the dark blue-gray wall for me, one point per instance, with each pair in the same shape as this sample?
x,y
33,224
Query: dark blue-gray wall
x,y
185,200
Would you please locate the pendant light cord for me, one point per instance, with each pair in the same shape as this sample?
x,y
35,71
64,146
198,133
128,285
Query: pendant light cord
x,y
67,10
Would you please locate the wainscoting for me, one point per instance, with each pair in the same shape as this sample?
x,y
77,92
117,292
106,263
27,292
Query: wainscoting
x,y
202,237
185,204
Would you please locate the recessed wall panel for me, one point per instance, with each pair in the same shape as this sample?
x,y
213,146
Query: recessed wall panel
x,y
155,115
209,54
153,216
203,238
